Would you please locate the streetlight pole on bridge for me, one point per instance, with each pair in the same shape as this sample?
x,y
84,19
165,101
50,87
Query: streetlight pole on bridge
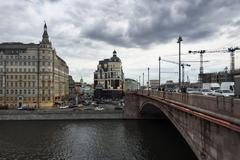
x,y
159,72
148,80
143,80
179,67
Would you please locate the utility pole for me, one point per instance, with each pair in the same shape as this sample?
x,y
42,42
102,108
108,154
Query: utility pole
x,y
148,81
143,79
179,67
139,82
183,73
159,59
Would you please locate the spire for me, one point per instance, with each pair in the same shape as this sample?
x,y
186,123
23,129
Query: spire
x,y
45,26
45,34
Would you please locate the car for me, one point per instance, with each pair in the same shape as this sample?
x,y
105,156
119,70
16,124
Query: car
x,y
25,107
193,91
206,91
99,108
225,93
73,106
63,107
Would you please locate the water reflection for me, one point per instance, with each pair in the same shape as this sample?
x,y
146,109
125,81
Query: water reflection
x,y
90,140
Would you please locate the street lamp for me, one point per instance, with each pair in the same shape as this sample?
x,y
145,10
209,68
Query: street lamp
x,y
159,59
179,67
139,82
143,80
148,81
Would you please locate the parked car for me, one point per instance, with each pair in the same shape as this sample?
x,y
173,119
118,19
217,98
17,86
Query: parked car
x,y
225,93
73,106
63,107
99,108
193,91
206,91
25,107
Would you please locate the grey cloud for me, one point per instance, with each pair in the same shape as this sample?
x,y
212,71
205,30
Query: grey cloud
x,y
160,22
130,24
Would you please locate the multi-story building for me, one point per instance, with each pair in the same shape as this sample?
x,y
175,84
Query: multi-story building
x,y
72,90
216,77
131,84
109,79
32,74
109,73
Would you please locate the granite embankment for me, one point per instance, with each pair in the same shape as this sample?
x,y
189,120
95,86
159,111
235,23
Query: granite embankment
x,y
59,114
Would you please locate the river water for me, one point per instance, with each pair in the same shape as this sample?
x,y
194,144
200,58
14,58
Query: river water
x,y
92,140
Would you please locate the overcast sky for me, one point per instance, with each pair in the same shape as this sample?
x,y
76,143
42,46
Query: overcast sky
x,y
84,32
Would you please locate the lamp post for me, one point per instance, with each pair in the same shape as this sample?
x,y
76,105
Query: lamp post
x,y
143,80
139,82
179,67
148,81
159,59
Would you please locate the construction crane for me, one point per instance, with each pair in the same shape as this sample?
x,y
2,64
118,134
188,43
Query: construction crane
x,y
182,65
201,67
229,50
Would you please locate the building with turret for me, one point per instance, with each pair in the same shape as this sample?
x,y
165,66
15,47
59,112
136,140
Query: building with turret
x,y
109,73
32,74
109,78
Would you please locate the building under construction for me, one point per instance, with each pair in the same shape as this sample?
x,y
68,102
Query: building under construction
x,y
216,77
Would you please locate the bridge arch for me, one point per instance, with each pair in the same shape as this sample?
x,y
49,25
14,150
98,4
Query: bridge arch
x,y
150,110
210,137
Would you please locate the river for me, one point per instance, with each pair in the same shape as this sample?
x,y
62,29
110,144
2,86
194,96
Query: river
x,y
92,140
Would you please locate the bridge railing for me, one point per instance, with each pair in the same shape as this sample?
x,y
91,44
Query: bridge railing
x,y
229,106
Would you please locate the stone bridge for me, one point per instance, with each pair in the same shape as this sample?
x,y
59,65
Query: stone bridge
x,y
209,124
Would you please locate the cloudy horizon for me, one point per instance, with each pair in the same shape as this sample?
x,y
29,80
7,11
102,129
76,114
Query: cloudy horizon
x,y
84,32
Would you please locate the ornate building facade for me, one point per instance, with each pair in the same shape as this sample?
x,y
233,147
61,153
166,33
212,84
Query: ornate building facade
x,y
32,74
109,74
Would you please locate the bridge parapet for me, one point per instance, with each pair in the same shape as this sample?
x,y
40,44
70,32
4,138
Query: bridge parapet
x,y
227,106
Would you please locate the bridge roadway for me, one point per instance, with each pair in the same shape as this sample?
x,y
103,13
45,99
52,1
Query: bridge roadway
x,y
209,124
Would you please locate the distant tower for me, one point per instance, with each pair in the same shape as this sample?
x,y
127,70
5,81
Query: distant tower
x,y
81,80
45,38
